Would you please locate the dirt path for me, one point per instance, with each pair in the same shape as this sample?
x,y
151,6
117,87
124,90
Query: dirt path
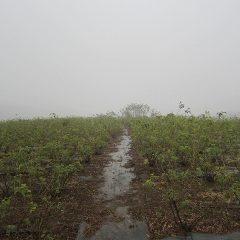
x,y
113,195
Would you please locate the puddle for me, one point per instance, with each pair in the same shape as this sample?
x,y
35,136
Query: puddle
x,y
117,180
117,176
205,236
125,229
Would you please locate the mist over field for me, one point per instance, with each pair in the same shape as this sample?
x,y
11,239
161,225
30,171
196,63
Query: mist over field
x,y
90,57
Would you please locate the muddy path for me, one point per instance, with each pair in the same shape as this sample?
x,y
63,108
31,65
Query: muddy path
x,y
112,195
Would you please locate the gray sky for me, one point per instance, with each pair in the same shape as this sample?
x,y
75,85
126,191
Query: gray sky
x,y
89,56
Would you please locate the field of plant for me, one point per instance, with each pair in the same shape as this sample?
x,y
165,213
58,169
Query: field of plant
x,y
194,167
37,159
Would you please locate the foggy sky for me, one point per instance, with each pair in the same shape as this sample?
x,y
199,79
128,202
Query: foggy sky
x,y
81,57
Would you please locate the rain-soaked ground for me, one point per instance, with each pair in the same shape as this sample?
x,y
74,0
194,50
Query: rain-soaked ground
x,y
120,225
117,178
206,236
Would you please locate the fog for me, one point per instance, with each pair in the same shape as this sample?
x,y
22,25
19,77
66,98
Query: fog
x,y
75,57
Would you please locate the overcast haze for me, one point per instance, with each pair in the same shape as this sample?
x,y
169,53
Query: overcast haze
x,y
86,57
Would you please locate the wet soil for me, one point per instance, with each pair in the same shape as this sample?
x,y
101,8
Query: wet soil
x,y
206,236
113,194
151,207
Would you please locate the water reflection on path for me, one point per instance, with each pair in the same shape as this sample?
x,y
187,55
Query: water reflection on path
x,y
117,178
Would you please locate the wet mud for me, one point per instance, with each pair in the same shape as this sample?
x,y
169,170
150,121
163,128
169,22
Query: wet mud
x,y
117,179
206,236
